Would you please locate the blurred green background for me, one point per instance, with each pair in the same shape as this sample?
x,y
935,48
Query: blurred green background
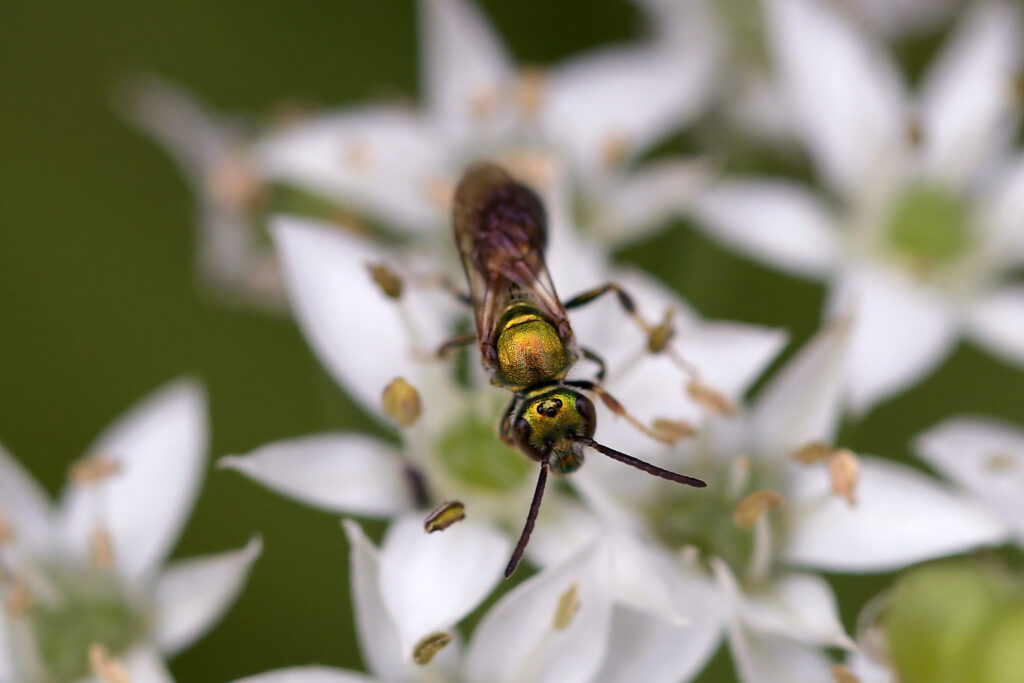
x,y
99,303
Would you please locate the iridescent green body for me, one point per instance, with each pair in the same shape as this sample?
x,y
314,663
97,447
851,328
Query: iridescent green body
x,y
523,330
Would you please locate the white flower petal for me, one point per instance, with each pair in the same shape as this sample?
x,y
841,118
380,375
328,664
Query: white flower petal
x,y
160,447
984,456
642,577
967,96
759,658
307,674
635,204
868,670
621,98
339,472
192,595
800,607
801,403
517,641
24,505
379,161
997,322
7,671
649,649
1002,209
900,332
377,633
899,17
846,95
358,333
144,664
465,66
430,581
776,222
901,516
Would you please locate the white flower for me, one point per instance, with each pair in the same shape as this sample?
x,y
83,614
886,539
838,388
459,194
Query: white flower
x,y
986,458
366,339
726,556
928,220
214,154
89,578
553,627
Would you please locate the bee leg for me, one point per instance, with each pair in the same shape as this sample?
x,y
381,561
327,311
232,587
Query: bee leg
x,y
590,355
457,342
506,422
620,410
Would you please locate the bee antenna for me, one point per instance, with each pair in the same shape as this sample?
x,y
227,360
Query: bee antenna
x,y
640,464
531,517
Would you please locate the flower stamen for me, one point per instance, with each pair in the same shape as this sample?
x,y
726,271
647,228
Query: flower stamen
x,y
568,606
841,674
427,648
105,667
101,548
401,402
530,91
93,470
754,507
388,280
843,470
448,513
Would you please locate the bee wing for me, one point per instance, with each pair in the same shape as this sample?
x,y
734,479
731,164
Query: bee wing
x,y
500,230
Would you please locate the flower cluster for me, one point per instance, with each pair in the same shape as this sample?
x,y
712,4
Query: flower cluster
x,y
912,213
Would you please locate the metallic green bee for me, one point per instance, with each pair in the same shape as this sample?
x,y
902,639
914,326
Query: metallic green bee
x,y
524,336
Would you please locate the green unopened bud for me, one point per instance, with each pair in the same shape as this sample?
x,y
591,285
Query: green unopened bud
x,y
933,621
999,655
401,402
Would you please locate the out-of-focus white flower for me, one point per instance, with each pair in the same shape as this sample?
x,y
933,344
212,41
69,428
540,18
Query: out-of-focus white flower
x,y
84,583
450,449
396,167
780,496
986,458
553,627
894,18
234,257
928,218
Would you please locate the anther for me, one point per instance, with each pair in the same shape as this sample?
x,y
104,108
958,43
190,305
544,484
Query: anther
x,y
401,402
841,674
444,516
388,280
661,334
843,470
914,131
754,506
101,549
233,183
812,453
568,606
19,600
673,430
483,103
93,469
614,150
535,168
441,192
105,667
357,155
530,91
425,650
1000,462
710,399
6,530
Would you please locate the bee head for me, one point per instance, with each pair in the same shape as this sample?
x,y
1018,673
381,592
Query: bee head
x,y
548,423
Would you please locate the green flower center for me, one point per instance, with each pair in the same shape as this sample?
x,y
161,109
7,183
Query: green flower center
x,y
86,607
703,518
929,225
472,453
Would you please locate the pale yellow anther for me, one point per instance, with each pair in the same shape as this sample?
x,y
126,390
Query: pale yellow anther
x,y
914,131
841,674
812,453
661,334
6,530
1000,462
94,469
568,606
388,280
234,183
101,548
105,667
844,470
673,430
357,155
530,91
425,650
534,168
19,599
441,192
614,150
444,516
754,506
401,402
483,103
710,399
